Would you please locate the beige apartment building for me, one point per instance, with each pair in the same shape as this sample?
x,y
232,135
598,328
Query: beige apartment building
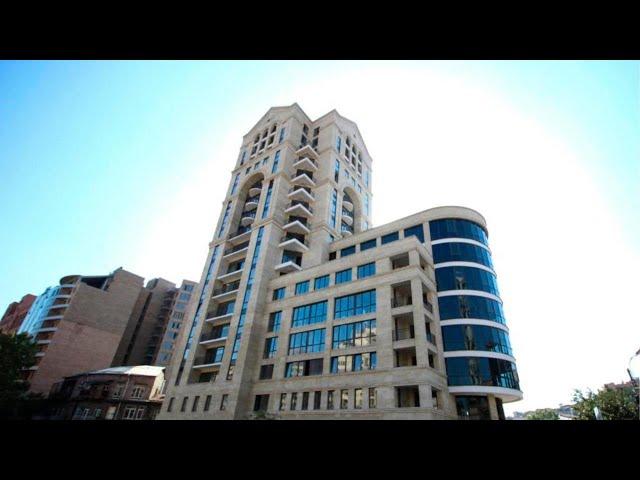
x,y
304,311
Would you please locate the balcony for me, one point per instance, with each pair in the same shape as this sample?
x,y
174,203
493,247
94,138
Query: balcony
x,y
252,203
347,217
297,225
202,362
231,275
290,263
307,151
431,338
226,292
247,218
302,178
295,244
299,209
346,204
306,163
255,190
301,194
346,231
240,235
401,295
214,337
236,252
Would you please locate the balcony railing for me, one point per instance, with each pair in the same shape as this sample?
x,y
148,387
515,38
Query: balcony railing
x,y
291,258
255,199
215,335
240,231
306,189
403,333
347,213
248,215
302,240
428,306
431,337
401,302
237,248
230,287
293,218
304,204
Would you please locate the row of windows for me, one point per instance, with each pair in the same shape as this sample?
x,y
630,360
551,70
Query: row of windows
x,y
304,401
457,228
345,306
416,230
306,342
475,337
356,304
461,252
357,334
343,276
482,371
196,401
470,306
354,363
466,278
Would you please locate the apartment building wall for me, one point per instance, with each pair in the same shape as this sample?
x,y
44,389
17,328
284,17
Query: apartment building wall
x,y
221,353
15,314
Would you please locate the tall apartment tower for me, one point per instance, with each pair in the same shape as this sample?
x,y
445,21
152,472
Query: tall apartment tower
x,y
305,311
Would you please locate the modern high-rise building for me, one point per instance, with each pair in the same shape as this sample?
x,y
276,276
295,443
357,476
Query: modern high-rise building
x,y
93,322
306,311
15,314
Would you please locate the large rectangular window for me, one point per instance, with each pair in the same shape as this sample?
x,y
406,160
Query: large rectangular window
x,y
309,314
368,244
276,161
356,304
304,368
354,363
278,293
321,282
391,237
336,171
235,184
270,347
416,230
274,322
302,287
334,207
343,276
306,342
267,200
281,138
356,334
345,252
367,270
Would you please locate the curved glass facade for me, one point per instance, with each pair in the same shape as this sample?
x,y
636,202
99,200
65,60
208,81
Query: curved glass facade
x,y
462,252
490,372
470,306
38,311
466,278
457,228
475,337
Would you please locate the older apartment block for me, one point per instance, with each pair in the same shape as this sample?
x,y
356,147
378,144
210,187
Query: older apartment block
x,y
304,311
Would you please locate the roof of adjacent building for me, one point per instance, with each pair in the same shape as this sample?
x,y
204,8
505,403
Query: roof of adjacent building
x,y
145,370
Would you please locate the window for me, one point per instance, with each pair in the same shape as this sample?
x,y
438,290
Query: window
x,y
334,207
267,200
278,294
336,171
309,314
344,399
354,363
317,398
358,334
481,371
223,402
366,204
305,401
207,403
466,252
274,322
306,342
416,230
183,407
294,401
343,276
283,401
366,270
244,154
261,403
170,406
321,282
281,138
345,252
235,184
194,407
138,391
466,278
302,287
391,237
372,398
304,368
129,413
475,337
338,143
270,347
368,244
330,399
357,398
332,255
266,372
457,228
276,161
470,306
225,219
356,304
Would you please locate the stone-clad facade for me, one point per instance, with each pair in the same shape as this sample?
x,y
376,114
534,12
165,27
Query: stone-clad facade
x,y
305,311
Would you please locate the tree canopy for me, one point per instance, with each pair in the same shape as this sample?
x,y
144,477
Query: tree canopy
x,y
16,353
613,403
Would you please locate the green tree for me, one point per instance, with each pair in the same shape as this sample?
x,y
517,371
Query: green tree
x,y
16,352
613,403
543,414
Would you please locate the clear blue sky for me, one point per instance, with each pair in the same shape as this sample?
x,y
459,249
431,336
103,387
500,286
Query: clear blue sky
x,y
108,164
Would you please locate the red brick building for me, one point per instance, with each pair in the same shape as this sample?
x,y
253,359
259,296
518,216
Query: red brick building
x,y
13,317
